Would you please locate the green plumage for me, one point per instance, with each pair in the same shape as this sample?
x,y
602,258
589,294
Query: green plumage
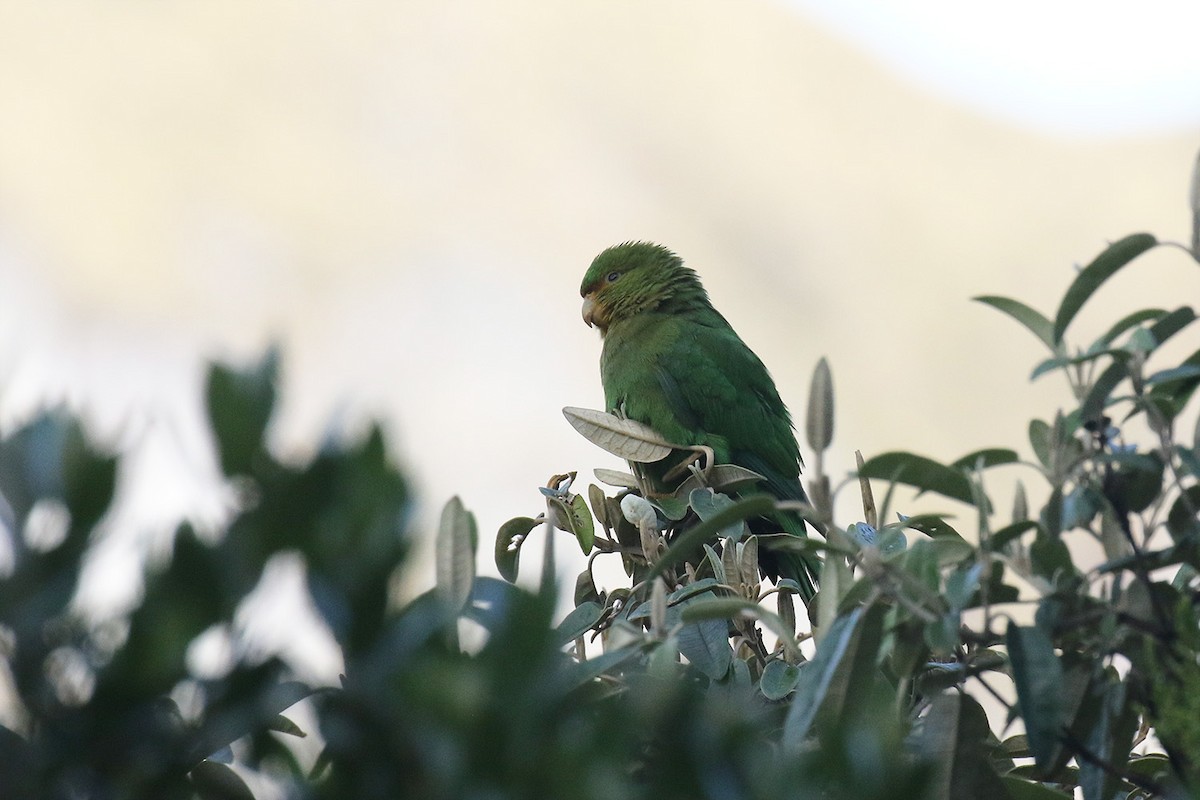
x,y
671,361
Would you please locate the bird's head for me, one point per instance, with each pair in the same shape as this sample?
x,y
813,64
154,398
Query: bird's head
x,y
632,278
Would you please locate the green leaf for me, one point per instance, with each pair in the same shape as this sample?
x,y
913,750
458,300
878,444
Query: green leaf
x,y
1038,676
214,781
1110,739
456,542
625,438
687,543
1010,533
706,645
282,724
584,530
1041,438
818,425
778,679
1127,322
1182,519
815,677
953,737
1176,374
1050,558
239,405
1021,789
726,608
1096,400
707,504
1033,320
921,472
509,539
988,457
579,621
1105,265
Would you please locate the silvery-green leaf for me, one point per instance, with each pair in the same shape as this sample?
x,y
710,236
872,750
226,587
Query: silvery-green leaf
x,y
625,438
614,477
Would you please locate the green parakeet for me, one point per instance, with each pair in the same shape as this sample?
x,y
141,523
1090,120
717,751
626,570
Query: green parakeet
x,y
671,361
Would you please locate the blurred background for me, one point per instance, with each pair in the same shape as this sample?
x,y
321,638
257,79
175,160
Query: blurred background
x,y
405,196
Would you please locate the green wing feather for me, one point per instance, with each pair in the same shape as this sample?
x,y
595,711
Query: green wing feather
x,y
690,377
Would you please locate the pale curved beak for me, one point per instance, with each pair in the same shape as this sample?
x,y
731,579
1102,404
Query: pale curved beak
x,y
589,310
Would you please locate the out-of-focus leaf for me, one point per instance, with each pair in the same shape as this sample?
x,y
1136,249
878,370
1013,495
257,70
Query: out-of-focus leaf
x,y
818,425
240,403
952,736
815,677
1109,739
282,724
1183,519
1050,557
1194,203
988,457
1096,400
1010,533
1022,789
509,539
456,542
705,644
1180,373
1042,439
921,472
1038,675
778,680
1103,267
214,781
1127,322
625,438
1034,321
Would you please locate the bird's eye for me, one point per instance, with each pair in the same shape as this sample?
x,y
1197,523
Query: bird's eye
x,y
612,276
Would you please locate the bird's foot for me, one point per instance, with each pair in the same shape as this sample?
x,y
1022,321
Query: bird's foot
x,y
700,454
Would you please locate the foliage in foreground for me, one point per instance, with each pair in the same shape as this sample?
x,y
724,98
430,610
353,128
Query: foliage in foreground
x,y
694,679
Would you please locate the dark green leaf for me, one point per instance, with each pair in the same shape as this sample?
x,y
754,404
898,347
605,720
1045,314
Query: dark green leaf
x,y
706,645
1096,400
509,539
1033,320
1038,675
1022,789
1183,520
953,738
214,781
240,403
1127,322
815,677
282,724
1010,533
921,472
1105,265
988,457
579,621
